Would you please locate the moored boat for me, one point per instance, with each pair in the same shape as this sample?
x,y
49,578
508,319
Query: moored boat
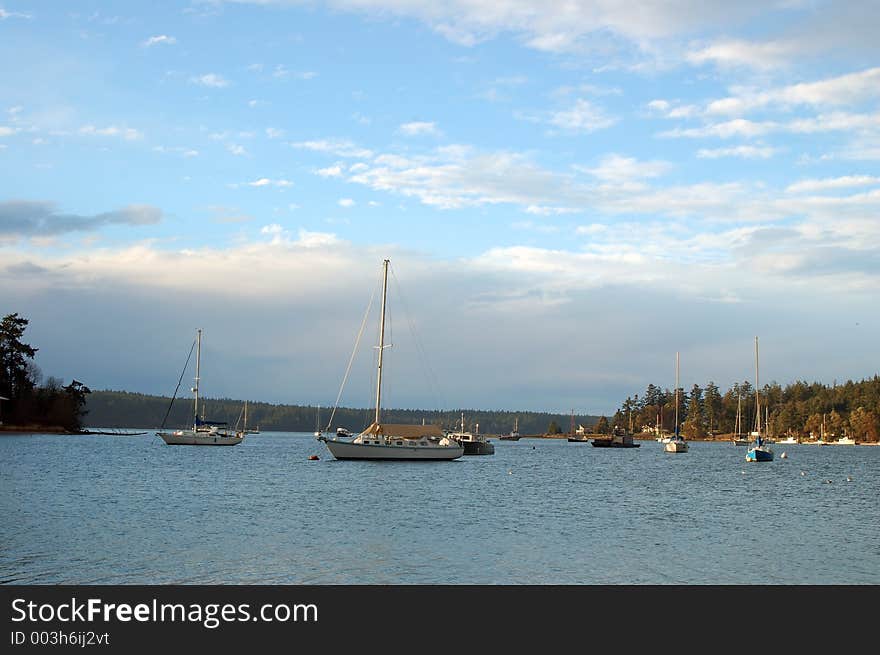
x,y
204,432
395,442
759,451
617,439
473,443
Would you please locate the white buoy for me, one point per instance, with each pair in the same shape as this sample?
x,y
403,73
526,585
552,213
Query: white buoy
x,y
802,473
783,455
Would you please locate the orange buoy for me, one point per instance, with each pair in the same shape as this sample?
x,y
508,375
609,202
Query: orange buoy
x,y
313,457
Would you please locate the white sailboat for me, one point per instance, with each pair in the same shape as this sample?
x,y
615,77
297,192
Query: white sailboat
x,y
203,432
385,441
318,422
676,444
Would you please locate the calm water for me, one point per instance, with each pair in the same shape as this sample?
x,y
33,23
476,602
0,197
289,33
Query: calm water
x,y
126,510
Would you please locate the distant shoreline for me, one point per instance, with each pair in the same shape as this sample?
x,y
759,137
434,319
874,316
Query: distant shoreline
x,y
34,429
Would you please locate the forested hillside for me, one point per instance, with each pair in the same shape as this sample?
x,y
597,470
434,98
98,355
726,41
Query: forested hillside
x,y
798,409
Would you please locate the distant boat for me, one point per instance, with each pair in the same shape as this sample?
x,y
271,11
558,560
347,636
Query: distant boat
x,y
739,438
579,435
676,444
204,432
844,441
759,450
245,429
787,440
386,441
512,436
473,444
617,439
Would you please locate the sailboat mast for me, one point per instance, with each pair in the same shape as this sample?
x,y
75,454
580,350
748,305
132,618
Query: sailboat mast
x,y
198,372
738,428
676,395
381,341
757,391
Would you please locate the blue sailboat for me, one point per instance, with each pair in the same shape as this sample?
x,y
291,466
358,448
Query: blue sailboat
x,y
759,451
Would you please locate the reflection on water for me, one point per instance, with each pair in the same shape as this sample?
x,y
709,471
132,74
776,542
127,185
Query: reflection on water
x,y
130,510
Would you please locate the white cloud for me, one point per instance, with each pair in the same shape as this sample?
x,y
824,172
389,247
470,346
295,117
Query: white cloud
x,y
618,169
848,89
281,71
274,133
7,131
212,80
338,147
127,133
418,128
237,150
160,39
13,14
330,171
583,117
345,202
177,150
744,152
266,182
539,210
843,182
738,52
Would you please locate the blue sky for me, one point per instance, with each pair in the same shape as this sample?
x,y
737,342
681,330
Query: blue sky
x,y
569,195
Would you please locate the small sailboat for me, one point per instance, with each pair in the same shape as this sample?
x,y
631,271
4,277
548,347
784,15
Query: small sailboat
x,y
386,441
204,432
318,422
759,451
676,444
245,429
739,438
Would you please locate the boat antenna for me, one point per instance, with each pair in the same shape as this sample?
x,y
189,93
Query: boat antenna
x,y
178,385
351,359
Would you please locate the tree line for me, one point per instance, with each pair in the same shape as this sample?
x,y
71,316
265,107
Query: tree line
x,y
26,401
126,409
799,409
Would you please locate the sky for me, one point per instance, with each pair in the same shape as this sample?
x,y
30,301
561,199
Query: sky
x,y
569,195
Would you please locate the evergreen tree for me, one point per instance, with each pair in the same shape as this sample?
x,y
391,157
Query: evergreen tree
x,y
16,370
712,412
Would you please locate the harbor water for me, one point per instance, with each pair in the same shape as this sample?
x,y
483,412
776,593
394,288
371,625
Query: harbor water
x,y
100,509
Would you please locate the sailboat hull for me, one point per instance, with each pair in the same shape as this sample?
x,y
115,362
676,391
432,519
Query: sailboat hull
x,y
674,446
759,455
189,438
351,450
